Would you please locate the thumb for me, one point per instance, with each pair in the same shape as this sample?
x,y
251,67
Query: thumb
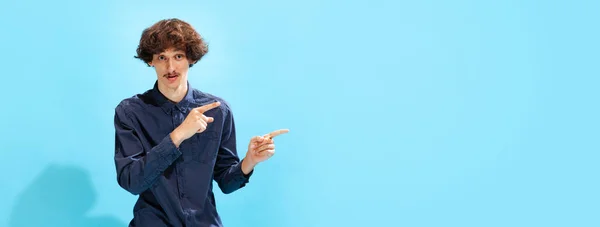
x,y
253,141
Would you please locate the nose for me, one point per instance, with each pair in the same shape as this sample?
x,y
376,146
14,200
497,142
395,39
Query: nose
x,y
170,66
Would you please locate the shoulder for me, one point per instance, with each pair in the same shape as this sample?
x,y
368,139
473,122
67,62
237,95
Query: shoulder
x,y
133,104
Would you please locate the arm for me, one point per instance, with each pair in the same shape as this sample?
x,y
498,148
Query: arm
x,y
137,169
228,169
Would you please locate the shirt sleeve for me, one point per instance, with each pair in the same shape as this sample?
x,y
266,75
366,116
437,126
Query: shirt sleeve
x,y
228,167
137,168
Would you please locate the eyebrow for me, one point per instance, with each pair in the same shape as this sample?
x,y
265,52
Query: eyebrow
x,y
176,53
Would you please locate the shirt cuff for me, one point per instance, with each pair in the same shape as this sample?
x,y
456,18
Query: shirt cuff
x,y
168,151
242,176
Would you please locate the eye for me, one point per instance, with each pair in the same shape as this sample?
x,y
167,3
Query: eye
x,y
179,56
161,57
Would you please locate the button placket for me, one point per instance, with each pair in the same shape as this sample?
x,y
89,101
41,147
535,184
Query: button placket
x,y
178,118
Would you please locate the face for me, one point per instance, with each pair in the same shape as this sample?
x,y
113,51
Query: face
x,y
171,68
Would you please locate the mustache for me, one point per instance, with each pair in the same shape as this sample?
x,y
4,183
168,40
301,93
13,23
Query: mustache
x,y
171,74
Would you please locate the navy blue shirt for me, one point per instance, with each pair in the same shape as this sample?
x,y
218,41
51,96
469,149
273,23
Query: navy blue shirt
x,y
175,184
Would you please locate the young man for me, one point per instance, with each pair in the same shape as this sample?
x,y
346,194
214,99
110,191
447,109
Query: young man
x,y
173,140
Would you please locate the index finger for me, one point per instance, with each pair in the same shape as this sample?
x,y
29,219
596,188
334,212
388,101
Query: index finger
x,y
208,107
278,132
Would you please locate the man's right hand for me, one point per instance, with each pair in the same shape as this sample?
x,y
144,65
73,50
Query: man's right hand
x,y
195,122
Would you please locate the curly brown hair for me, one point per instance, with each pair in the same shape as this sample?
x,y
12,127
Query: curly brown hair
x,y
171,33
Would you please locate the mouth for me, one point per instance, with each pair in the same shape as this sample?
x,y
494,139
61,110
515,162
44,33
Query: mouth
x,y
172,77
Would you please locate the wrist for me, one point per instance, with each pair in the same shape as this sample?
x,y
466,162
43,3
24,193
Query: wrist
x,y
248,165
176,137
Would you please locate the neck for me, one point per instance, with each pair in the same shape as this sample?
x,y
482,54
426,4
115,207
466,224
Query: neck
x,y
174,94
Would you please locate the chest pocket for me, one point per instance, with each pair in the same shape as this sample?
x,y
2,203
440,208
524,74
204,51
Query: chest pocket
x,y
205,146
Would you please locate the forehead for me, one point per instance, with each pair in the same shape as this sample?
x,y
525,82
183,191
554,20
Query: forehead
x,y
170,52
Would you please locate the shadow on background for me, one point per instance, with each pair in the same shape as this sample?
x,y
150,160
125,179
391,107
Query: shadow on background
x,y
59,196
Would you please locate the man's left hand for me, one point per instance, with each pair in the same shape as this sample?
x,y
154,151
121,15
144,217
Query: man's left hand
x,y
261,148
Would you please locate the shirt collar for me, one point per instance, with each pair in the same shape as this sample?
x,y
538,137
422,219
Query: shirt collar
x,y
168,105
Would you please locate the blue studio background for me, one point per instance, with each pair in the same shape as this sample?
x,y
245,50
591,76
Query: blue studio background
x,y
402,113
